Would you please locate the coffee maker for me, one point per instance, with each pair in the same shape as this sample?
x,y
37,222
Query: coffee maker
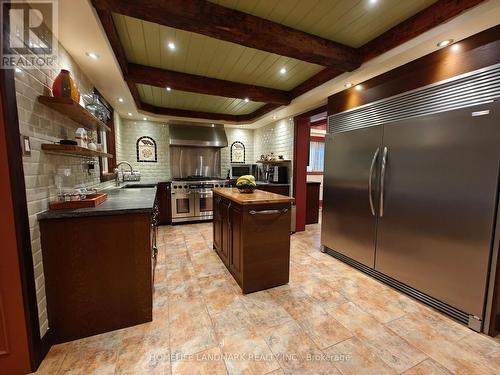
x,y
275,174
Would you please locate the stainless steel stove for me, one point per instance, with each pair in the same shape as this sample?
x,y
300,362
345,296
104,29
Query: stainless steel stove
x,y
192,198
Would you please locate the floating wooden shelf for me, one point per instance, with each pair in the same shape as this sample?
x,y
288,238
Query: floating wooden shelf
x,y
71,150
273,161
74,111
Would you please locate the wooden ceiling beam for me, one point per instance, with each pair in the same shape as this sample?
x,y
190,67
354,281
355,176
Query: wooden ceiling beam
x,y
259,112
114,40
211,116
237,24
423,21
164,111
428,18
203,17
316,80
203,85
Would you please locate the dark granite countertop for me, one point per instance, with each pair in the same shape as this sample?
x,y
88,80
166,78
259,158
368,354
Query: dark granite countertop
x,y
120,201
262,183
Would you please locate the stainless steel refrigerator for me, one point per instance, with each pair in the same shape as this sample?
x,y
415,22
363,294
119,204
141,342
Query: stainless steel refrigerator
x,y
414,203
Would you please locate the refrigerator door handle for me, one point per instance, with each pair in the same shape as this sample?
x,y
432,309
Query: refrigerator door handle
x,y
370,178
382,181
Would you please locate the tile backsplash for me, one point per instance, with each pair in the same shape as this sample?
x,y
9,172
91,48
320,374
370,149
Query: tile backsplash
x,y
44,125
127,132
245,136
275,137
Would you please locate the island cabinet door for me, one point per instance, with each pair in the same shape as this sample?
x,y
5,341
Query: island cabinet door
x,y
217,226
236,249
226,243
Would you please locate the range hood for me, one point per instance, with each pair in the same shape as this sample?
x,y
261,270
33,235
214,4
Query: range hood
x,y
197,135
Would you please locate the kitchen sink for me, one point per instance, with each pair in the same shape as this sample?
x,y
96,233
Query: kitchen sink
x,y
138,186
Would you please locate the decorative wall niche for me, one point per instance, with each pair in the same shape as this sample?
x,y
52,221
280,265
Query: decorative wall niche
x,y
237,152
146,150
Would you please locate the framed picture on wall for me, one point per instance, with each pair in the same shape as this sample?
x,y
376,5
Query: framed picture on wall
x,y
146,150
237,152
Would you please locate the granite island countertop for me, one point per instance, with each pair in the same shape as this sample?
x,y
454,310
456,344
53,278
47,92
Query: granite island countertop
x,y
257,197
120,201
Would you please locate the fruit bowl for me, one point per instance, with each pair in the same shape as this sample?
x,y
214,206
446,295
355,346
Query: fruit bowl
x,y
246,189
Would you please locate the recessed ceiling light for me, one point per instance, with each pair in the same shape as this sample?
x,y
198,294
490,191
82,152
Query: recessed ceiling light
x,y
347,85
92,55
290,118
213,125
373,1
247,100
130,114
120,100
169,89
444,43
274,117
358,87
144,118
283,71
171,46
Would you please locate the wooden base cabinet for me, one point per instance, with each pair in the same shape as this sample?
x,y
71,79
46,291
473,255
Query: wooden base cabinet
x,y
98,273
217,224
163,198
236,245
253,242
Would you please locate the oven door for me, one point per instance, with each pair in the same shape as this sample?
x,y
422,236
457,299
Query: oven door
x,y
183,205
204,204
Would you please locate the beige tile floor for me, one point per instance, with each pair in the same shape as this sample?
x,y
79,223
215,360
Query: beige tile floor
x,y
330,319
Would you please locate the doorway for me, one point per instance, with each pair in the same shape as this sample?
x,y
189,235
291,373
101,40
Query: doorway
x,y
309,134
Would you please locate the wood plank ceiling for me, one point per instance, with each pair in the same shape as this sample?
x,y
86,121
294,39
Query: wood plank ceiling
x,y
229,53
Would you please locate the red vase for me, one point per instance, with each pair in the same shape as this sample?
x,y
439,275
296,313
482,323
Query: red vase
x,y
65,87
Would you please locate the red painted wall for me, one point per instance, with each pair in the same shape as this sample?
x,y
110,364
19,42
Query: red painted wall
x,y
14,351
301,159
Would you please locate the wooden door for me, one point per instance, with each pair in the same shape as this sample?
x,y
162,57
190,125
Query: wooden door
x,y
14,350
235,258
217,225
312,202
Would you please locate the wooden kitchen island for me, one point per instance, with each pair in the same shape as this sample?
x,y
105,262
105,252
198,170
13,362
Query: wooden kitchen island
x,y
252,236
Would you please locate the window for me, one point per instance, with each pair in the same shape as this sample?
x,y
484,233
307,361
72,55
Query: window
x,y
107,139
316,156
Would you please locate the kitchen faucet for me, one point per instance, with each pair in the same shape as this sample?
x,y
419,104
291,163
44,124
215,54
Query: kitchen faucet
x,y
126,176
